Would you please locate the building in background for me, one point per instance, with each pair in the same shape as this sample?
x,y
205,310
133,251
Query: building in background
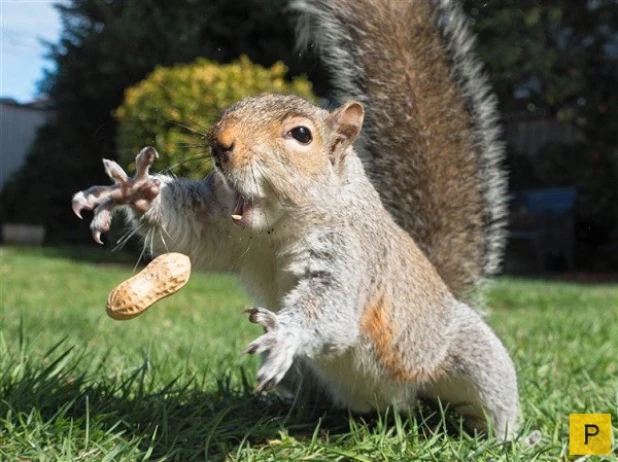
x,y
18,127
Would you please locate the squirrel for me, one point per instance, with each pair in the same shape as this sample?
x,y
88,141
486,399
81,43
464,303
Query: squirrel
x,y
363,232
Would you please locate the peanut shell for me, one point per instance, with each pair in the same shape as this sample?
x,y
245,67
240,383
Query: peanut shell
x,y
162,277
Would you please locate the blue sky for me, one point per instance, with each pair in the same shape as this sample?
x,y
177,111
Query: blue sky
x,y
22,24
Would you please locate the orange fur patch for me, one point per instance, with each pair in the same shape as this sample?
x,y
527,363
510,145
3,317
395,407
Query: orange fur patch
x,y
377,325
227,135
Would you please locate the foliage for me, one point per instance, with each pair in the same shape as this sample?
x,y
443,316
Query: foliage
x,y
173,107
173,384
107,46
559,58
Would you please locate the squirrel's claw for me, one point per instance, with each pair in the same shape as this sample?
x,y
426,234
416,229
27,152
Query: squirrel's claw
x,y
102,220
115,172
266,385
138,192
279,349
96,235
260,345
279,345
77,205
262,316
91,198
143,161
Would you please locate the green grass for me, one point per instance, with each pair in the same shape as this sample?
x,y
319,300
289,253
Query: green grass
x,y
173,384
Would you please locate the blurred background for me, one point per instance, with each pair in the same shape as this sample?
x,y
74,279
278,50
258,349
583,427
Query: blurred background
x,y
115,75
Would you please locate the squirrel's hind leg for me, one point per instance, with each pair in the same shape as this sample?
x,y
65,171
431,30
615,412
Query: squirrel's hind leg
x,y
480,382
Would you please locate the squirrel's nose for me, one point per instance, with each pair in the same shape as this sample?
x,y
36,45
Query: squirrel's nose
x,y
221,152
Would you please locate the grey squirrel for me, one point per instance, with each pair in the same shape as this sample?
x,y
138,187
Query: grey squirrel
x,y
360,231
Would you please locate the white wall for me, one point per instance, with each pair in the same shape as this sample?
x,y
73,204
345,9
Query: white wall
x,y
18,125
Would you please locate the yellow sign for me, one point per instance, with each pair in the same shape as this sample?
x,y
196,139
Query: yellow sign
x,y
590,434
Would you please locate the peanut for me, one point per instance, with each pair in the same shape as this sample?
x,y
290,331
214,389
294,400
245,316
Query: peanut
x,y
162,277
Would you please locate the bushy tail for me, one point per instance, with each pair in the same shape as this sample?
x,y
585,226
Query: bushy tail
x,y
430,139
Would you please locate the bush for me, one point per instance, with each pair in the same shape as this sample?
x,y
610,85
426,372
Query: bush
x,y
173,107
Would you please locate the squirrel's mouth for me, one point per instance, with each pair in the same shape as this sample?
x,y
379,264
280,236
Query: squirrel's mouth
x,y
250,205
242,210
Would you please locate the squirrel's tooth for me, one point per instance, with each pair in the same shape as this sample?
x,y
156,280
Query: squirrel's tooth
x,y
236,217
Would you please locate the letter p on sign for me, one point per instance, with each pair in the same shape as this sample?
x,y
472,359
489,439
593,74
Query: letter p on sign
x,y
590,434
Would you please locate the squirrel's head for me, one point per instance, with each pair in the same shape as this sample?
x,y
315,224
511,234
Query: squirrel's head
x,y
280,152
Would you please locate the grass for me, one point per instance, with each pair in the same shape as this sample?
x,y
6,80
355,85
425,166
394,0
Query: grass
x,y
173,384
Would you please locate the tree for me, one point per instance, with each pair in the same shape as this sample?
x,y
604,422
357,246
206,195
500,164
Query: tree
x,y
107,46
560,59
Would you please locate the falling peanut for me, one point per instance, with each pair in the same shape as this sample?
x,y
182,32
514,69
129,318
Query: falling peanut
x,y
162,277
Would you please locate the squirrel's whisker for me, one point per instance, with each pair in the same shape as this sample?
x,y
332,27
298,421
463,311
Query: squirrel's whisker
x,y
126,236
139,258
186,161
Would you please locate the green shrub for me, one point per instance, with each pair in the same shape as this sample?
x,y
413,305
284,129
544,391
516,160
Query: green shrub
x,y
173,107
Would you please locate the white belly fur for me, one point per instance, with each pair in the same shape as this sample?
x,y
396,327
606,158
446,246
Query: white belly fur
x,y
355,382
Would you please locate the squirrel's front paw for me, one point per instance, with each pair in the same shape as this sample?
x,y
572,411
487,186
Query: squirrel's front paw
x,y
279,343
137,192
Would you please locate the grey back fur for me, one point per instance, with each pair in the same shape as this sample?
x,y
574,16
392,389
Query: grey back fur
x,y
431,142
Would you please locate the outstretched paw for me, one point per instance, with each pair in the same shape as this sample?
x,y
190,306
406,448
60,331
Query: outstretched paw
x,y
137,192
279,343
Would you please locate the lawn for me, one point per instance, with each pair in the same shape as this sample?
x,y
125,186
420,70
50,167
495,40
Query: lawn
x,y
173,384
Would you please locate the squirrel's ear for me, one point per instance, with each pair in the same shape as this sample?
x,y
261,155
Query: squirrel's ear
x,y
347,122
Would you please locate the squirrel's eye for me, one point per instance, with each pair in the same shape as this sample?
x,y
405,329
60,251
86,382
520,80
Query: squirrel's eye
x,y
301,134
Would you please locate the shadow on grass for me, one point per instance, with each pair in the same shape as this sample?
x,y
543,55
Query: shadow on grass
x,y
172,422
